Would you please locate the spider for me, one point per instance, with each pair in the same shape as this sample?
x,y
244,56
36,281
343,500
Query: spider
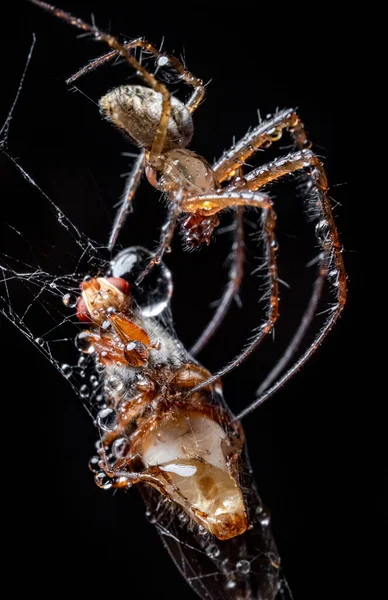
x,y
162,127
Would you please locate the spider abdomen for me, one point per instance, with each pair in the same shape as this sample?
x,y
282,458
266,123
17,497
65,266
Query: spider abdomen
x,y
137,110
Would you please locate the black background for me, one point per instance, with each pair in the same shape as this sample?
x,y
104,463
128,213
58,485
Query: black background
x,y
307,446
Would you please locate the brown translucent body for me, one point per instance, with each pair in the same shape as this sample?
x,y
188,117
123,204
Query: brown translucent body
x,y
184,448
189,447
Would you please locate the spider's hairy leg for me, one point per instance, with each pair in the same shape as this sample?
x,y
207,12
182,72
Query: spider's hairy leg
x,y
235,276
331,266
148,78
126,203
212,203
262,136
168,229
163,58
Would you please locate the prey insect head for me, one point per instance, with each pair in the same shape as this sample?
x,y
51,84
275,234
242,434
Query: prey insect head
x,y
101,295
137,110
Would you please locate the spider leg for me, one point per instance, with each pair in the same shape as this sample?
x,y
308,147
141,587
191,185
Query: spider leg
x,y
131,186
233,285
212,203
148,78
163,59
262,136
230,165
256,179
168,229
331,266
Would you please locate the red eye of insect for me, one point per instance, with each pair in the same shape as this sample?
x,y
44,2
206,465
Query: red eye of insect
x,y
82,311
119,283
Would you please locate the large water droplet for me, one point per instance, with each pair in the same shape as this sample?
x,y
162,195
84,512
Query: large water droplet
x,y
154,292
39,341
106,419
67,370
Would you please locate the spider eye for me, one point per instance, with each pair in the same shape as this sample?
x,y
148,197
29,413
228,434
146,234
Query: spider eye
x,y
153,294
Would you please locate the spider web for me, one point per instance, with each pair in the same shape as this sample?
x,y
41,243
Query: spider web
x,y
38,296
40,301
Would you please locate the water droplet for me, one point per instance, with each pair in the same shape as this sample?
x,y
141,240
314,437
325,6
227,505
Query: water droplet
x,y
275,245
67,370
70,300
103,481
201,530
52,285
321,230
83,342
87,278
154,293
243,566
94,381
150,517
262,516
162,61
99,367
39,341
212,551
84,391
120,447
81,361
93,464
106,419
114,383
231,584
225,566
333,273
182,516
100,400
